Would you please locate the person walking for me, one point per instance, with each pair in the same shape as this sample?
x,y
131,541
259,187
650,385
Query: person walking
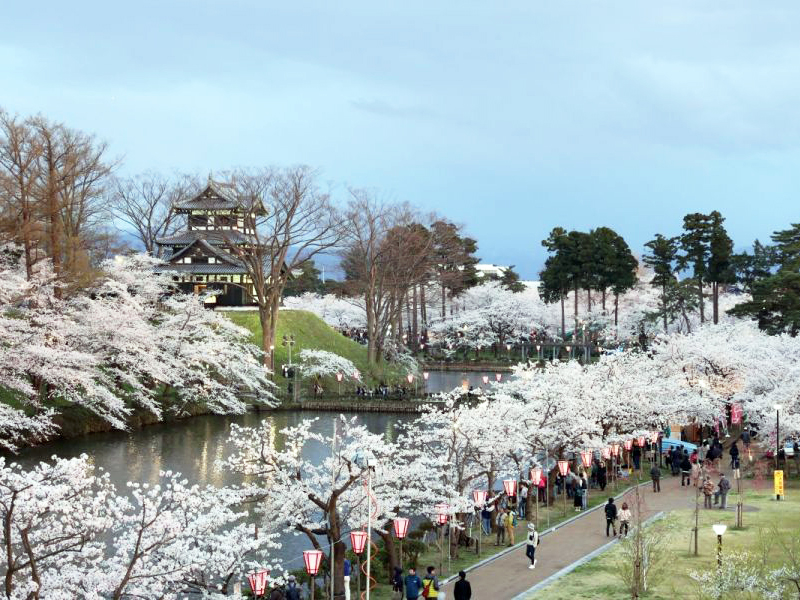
x,y
276,593
430,584
510,522
723,487
397,584
611,516
462,589
746,439
292,591
702,451
602,476
655,475
636,453
500,523
523,500
708,491
686,469
577,502
413,584
734,452
530,546
348,570
584,491
624,520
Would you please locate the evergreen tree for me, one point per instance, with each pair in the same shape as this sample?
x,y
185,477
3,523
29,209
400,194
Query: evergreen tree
x,y
611,265
510,280
307,280
775,304
454,260
556,276
695,243
720,253
749,268
662,259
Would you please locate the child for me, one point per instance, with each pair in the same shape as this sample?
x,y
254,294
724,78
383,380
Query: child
x,y
624,516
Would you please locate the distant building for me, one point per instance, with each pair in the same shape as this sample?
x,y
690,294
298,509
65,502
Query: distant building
x,y
489,270
202,255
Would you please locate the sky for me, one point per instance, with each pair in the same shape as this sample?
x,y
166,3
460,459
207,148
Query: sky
x,y
510,118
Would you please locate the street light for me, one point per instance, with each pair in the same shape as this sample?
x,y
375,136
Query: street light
x,y
719,529
425,376
563,468
258,581
366,460
441,519
339,377
485,380
312,558
510,487
498,377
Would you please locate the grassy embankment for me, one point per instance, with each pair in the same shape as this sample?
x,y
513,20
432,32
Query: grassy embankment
x,y
598,578
311,332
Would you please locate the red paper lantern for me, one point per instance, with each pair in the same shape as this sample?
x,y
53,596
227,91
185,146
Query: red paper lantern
x,y
358,540
640,441
410,378
605,453
615,449
356,375
510,486
441,513
339,377
586,459
628,444
485,379
654,437
736,414
536,475
563,467
425,375
400,527
313,559
498,376
479,497
258,581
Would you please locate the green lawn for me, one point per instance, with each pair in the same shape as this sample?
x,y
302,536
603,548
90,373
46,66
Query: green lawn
x,y
597,578
311,332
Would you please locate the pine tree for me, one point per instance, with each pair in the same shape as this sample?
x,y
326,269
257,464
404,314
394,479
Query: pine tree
x,y
662,259
510,280
720,249
695,243
556,276
749,268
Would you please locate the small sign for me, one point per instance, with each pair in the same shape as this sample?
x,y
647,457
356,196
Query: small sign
x,y
779,483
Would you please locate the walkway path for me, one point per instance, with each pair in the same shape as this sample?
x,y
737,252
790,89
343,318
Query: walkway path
x,y
508,575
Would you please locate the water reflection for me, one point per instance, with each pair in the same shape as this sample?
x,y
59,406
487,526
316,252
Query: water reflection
x,y
193,447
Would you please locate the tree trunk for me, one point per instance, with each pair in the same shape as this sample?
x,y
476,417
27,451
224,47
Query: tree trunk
x,y
444,298
664,305
616,309
414,324
267,333
604,300
576,310
388,540
715,300
588,299
563,319
700,297
423,310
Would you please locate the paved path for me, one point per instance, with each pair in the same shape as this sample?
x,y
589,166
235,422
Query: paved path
x,y
508,576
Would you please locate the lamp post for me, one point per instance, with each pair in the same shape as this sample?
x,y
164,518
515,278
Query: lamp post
x,y
425,376
777,439
339,378
312,558
357,541
569,351
563,468
365,459
479,498
498,377
586,461
538,351
410,379
289,341
508,352
258,581
719,529
400,532
628,445
614,457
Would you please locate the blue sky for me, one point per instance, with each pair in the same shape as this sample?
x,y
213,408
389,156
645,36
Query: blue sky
x,y
510,118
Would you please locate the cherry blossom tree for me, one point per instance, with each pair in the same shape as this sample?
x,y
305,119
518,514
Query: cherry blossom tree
x,y
321,363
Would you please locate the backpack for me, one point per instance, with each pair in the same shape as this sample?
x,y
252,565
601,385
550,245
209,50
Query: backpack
x,y
427,586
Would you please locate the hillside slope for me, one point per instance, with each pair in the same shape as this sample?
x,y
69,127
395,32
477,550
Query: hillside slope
x,y
311,332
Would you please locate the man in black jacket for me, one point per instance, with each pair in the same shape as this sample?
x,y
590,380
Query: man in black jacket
x,y
462,590
611,516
